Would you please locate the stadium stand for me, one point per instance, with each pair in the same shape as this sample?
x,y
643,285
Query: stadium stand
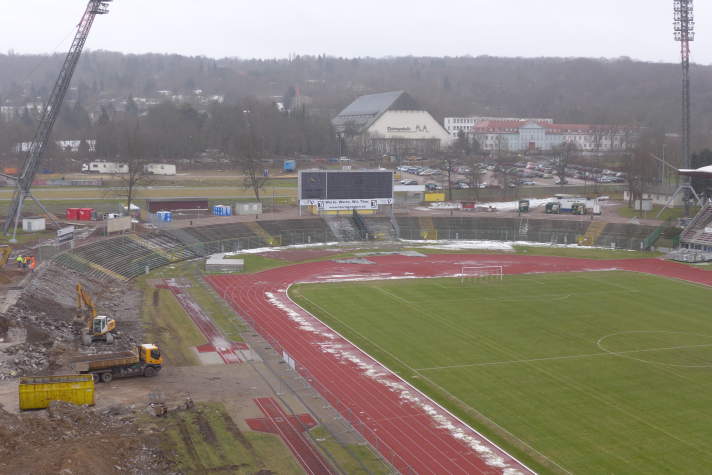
x,y
696,238
120,256
380,228
624,236
342,228
299,231
127,256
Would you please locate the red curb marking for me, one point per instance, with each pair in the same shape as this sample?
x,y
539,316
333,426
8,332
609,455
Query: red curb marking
x,y
290,429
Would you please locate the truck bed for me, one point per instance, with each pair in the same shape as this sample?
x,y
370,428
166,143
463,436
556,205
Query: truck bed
x,y
104,360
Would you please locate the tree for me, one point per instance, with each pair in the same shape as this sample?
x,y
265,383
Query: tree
x,y
134,155
247,150
641,168
564,153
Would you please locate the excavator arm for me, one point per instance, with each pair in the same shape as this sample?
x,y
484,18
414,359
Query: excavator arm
x,y
5,252
86,310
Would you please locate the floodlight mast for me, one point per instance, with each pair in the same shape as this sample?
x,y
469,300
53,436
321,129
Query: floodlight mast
x,y
684,29
49,116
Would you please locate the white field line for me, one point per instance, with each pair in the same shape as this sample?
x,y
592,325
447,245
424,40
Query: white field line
x,y
566,357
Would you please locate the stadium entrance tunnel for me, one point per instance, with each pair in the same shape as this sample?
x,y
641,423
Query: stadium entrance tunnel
x,y
660,347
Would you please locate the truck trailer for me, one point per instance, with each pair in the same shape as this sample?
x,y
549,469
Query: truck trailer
x,y
160,169
144,360
105,167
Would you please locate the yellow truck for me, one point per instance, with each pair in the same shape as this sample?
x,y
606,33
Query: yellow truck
x,y
36,392
144,360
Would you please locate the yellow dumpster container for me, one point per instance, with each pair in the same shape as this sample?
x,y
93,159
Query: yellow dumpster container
x,y
36,392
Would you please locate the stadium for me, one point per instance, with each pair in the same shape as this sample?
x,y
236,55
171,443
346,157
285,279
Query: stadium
x,y
447,356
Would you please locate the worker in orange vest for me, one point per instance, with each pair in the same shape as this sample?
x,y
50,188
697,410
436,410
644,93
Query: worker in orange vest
x,y
33,263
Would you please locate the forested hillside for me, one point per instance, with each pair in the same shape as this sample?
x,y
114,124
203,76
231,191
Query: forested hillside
x,y
566,89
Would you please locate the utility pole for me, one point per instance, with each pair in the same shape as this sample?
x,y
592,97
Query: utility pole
x,y
49,116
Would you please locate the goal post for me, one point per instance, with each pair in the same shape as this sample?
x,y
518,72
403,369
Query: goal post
x,y
480,273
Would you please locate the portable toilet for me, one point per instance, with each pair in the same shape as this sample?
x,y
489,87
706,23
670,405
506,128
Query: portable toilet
x,y
523,206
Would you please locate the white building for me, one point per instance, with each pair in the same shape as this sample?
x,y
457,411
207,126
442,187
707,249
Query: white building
x,y
73,146
455,125
389,123
543,135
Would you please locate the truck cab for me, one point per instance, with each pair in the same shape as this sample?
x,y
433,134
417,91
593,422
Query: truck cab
x,y
151,355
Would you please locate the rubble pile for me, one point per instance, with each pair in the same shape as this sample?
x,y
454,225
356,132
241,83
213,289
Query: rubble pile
x,y
46,313
77,439
23,359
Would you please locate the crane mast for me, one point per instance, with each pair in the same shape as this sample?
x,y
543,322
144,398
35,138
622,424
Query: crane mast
x,y
49,116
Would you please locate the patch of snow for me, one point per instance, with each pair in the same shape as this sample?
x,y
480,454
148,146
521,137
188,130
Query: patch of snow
x,y
311,325
260,250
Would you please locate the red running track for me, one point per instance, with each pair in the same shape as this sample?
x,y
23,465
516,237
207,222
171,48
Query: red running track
x,y
290,429
410,430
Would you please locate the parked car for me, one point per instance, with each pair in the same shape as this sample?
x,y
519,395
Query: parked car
x,y
408,182
433,187
461,186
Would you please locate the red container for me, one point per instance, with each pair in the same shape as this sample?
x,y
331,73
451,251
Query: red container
x,y
72,214
85,214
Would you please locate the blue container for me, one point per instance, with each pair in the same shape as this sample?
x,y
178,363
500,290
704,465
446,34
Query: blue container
x,y
290,165
168,217
222,210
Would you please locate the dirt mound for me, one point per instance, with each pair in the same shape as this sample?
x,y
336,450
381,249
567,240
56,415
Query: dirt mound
x,y
73,439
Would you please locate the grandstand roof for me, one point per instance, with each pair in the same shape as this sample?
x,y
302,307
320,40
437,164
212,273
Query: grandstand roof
x,y
703,172
365,110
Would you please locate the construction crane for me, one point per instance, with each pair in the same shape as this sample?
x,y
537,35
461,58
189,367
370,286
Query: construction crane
x,y
49,115
97,327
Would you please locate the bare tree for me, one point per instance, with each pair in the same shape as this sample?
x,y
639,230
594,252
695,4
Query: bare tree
x,y
641,168
134,156
247,150
564,153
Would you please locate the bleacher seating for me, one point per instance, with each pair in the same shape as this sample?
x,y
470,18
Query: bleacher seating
x,y
379,227
624,235
697,234
299,231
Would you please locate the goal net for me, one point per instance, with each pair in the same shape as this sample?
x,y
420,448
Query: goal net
x,y
480,274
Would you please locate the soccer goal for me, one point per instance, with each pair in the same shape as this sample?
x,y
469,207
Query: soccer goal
x,y
480,274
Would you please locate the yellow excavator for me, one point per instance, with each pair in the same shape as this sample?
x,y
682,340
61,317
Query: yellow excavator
x,y
5,252
98,327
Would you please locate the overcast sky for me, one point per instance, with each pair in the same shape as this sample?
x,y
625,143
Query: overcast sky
x,y
641,29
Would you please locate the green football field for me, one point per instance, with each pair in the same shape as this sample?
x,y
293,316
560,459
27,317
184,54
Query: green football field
x,y
598,372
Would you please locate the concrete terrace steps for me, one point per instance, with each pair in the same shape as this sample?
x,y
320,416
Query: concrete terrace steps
x,y
152,246
592,233
342,227
427,228
259,231
380,228
695,231
91,269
